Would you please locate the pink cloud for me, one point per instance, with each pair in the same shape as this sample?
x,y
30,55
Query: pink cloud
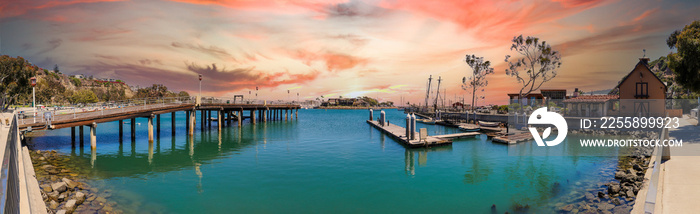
x,y
17,8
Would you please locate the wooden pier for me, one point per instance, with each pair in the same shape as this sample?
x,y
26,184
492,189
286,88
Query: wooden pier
x,y
399,134
211,109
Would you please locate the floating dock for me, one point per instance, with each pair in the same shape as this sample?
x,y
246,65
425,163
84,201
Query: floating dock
x,y
399,134
513,139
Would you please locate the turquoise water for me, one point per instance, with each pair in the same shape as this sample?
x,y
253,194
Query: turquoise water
x,y
326,161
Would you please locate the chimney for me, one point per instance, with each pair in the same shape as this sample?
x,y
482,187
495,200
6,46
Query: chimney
x,y
644,59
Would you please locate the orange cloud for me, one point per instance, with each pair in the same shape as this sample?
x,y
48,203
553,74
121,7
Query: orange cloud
x,y
333,61
645,14
17,8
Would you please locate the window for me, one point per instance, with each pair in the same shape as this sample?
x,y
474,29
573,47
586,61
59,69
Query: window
x,y
642,90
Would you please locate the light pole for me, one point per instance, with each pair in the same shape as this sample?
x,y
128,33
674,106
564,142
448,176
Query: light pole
x,y
33,82
200,85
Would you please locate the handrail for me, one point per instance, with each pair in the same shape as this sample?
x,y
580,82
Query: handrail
x,y
9,180
650,201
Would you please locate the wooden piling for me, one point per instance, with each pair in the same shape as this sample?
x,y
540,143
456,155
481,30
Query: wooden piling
x,y
219,120
93,136
158,124
72,136
133,129
150,129
252,116
80,135
172,126
121,130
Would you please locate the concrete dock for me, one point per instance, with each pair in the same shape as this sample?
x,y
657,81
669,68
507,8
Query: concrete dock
x,y
399,134
513,139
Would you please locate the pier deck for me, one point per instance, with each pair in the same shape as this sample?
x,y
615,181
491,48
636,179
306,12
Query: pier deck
x,y
399,133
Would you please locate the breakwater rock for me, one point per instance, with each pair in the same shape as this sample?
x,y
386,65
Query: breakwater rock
x,y
63,185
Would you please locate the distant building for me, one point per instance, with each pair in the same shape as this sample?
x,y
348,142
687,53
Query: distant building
x,y
591,105
345,102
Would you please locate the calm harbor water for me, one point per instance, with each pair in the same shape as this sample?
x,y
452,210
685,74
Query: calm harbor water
x,y
326,161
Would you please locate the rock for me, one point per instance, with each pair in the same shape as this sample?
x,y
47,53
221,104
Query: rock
x,y
616,201
62,196
61,212
71,184
46,188
620,175
52,195
91,198
589,196
70,205
59,186
613,189
630,193
637,167
567,208
53,204
601,194
101,200
47,166
80,197
605,206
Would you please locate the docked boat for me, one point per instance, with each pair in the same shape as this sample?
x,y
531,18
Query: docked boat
x,y
488,124
469,128
426,121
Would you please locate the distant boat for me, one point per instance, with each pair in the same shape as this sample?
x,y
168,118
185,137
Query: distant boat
x,y
469,128
488,124
426,121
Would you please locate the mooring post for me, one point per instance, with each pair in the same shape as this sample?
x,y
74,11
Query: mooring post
x,y
408,127
371,115
172,126
286,114
382,116
133,129
413,126
150,129
93,136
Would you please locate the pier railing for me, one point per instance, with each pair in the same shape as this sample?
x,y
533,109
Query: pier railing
x,y
78,111
9,176
650,200
233,100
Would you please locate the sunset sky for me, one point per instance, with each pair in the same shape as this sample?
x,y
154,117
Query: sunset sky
x,y
384,49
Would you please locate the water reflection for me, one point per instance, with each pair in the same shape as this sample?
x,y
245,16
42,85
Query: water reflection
x,y
422,153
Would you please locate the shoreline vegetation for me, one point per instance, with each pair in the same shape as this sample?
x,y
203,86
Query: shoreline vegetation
x,y
64,184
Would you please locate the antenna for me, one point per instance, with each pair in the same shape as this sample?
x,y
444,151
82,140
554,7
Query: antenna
x,y
645,52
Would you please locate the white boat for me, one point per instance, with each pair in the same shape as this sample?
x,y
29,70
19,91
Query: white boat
x,y
426,121
469,128
488,124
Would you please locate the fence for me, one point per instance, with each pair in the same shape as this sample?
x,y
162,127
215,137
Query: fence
x,y
9,180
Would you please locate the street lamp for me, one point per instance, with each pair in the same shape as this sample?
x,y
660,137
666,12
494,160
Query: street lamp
x,y
33,82
200,85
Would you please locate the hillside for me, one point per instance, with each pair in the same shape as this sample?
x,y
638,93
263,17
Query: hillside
x,y
55,88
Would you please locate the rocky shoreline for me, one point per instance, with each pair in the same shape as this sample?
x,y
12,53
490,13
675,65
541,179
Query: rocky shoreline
x,y
64,188
617,196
